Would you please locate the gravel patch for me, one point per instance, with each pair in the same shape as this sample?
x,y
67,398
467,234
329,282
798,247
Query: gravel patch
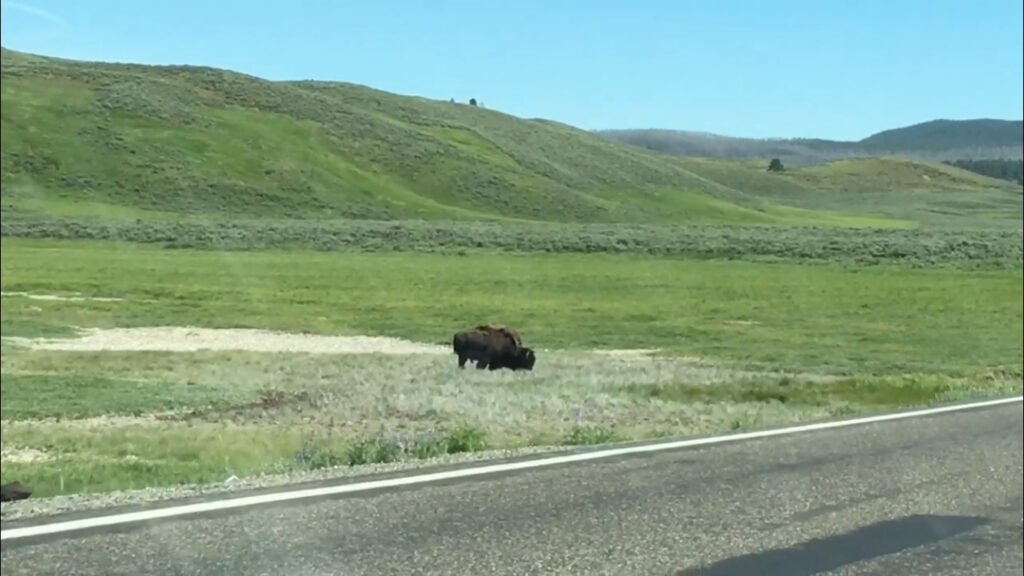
x,y
42,507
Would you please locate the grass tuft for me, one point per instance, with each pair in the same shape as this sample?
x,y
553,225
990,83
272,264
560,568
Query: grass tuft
x,y
384,449
584,435
893,391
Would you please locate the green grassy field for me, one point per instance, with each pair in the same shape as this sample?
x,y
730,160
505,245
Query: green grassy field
x,y
732,344
729,311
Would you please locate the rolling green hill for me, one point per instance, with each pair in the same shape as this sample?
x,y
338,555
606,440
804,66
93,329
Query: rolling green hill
x,y
931,194
125,142
933,141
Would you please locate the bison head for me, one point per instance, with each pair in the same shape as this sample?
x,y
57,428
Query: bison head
x,y
525,359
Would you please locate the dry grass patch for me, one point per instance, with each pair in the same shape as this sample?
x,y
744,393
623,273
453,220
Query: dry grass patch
x,y
134,408
137,417
23,455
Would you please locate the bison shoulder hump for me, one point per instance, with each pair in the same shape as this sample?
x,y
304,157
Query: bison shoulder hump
x,y
504,331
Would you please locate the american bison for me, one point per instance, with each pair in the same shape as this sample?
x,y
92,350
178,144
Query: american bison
x,y
14,491
493,346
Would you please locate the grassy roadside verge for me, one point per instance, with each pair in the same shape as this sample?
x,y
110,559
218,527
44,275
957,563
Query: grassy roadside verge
x,y
163,419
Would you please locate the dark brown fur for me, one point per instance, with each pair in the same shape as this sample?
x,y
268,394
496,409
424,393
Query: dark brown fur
x,y
14,491
501,328
493,346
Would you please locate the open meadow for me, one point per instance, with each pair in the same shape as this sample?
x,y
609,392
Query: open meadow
x,y
127,366
209,276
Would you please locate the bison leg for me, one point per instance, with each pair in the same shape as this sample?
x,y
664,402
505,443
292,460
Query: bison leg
x,y
462,361
481,364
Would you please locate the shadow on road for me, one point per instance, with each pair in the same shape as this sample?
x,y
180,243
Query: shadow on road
x,y
824,554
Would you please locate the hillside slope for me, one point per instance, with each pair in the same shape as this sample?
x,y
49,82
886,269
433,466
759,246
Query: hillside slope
x,y
928,193
937,140
942,135
133,141
144,140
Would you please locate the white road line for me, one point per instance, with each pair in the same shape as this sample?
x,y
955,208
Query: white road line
x,y
171,511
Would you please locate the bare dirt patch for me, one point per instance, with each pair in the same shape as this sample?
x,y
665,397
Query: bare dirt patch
x,y
629,352
98,422
635,355
59,298
191,339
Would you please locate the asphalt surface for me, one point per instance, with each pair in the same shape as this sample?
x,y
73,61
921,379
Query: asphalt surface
x,y
939,495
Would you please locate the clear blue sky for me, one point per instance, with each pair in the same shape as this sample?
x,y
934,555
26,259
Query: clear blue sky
x,y
822,68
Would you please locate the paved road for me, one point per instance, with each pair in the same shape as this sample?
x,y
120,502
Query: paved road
x,y
931,496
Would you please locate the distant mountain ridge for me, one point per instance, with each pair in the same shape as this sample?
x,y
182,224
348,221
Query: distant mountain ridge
x,y
935,141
